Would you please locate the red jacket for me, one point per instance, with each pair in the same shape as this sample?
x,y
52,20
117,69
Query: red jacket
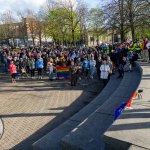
x,y
12,68
144,46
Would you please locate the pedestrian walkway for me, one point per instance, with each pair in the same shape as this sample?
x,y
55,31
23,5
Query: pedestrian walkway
x,y
31,108
132,128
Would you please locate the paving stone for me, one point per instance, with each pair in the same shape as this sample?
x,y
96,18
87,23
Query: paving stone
x,y
32,108
77,118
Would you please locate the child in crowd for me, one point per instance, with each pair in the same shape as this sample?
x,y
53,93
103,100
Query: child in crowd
x,y
13,71
51,69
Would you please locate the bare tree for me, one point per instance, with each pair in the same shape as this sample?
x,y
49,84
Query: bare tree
x,y
75,12
127,15
8,25
115,17
96,22
137,14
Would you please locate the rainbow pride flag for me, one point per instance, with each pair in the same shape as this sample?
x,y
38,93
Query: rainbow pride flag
x,y
62,71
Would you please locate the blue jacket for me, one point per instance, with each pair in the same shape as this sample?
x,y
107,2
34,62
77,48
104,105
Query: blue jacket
x,y
39,63
86,64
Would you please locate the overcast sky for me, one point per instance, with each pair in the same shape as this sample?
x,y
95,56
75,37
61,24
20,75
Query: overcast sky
x,y
16,5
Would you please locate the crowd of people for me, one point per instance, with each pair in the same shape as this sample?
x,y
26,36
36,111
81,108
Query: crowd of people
x,y
88,63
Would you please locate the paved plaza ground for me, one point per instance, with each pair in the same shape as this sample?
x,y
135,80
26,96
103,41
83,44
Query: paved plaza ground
x,y
32,108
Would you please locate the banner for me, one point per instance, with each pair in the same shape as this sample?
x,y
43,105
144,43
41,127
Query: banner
x,y
62,72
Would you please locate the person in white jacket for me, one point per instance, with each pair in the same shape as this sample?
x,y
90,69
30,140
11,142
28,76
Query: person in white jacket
x,y
104,72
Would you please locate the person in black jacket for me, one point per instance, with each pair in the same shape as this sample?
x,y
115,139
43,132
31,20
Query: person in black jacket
x,y
121,68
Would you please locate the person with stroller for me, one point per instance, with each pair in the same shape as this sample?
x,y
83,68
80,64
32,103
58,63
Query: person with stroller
x,y
22,68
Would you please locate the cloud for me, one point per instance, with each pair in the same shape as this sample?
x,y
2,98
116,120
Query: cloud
x,y
15,5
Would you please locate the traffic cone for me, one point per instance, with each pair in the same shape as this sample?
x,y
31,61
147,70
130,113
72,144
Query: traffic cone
x,y
129,104
134,95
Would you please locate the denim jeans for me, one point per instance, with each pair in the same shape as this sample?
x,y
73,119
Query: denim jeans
x,y
92,71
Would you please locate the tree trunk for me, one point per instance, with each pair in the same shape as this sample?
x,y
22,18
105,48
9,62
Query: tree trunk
x,y
13,41
93,40
40,41
122,20
112,36
97,39
122,33
73,37
131,19
24,41
133,32
45,40
33,41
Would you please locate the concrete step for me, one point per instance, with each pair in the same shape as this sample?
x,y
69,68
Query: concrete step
x,y
132,129
88,134
51,141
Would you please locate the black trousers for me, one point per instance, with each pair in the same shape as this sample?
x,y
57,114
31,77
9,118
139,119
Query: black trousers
x,y
121,72
105,81
39,71
73,79
32,72
149,53
13,75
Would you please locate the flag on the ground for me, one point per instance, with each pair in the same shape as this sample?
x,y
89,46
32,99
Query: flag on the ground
x,y
119,110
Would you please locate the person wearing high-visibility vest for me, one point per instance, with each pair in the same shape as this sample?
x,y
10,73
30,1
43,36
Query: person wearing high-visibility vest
x,y
131,46
137,47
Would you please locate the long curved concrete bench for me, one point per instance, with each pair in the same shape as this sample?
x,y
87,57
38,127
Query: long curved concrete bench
x,y
132,129
1,128
51,141
88,134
